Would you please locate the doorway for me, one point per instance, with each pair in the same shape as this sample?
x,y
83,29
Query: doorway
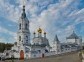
x,y
21,54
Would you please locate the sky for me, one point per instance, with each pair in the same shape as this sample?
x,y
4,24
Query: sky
x,y
56,17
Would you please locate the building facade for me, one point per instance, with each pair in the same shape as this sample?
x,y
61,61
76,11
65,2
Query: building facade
x,y
40,46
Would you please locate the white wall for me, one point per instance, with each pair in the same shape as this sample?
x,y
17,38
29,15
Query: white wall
x,y
71,40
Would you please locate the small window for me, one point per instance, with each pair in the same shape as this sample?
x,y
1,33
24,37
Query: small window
x,y
26,38
25,26
27,51
20,26
19,38
46,51
7,54
39,51
34,55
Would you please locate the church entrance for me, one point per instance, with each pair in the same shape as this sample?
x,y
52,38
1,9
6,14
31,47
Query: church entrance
x,y
42,55
21,54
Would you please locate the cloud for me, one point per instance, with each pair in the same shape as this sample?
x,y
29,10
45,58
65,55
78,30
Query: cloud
x,y
9,11
53,16
12,35
56,20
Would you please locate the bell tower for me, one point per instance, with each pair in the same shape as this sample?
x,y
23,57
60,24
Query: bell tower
x,y
56,45
23,29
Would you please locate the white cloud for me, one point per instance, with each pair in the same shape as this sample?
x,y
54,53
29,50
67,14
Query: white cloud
x,y
58,18
13,35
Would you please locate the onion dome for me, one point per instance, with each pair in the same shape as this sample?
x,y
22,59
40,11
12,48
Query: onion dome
x,y
44,32
39,30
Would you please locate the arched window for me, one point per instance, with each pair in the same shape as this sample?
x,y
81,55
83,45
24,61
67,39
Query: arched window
x,y
46,51
19,38
20,26
26,38
39,51
25,26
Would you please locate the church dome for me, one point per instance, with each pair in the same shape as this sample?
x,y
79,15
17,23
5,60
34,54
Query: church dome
x,y
39,30
41,41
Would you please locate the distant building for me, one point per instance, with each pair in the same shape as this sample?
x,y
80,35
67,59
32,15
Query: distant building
x,y
73,38
40,46
74,43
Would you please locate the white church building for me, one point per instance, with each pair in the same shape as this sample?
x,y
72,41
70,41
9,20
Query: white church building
x,y
40,47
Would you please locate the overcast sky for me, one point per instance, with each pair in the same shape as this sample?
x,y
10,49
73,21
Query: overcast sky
x,y
60,17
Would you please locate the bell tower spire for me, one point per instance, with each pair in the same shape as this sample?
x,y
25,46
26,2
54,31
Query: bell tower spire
x,y
23,10
23,32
